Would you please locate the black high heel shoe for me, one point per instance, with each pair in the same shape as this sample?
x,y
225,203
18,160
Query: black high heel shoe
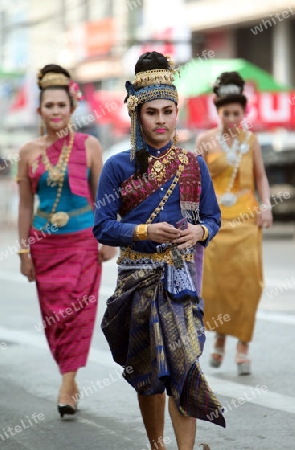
x,y
66,409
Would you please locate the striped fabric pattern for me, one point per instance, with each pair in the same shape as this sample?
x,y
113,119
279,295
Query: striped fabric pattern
x,y
67,276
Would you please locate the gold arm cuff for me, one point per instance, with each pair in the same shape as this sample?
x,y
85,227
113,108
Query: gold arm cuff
x,y
23,251
141,232
18,179
206,233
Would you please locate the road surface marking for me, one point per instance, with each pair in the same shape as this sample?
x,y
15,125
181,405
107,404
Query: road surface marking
x,y
276,317
286,282
103,428
267,399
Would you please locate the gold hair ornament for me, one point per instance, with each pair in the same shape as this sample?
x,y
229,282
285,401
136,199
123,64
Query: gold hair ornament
x,y
156,76
53,79
132,102
147,96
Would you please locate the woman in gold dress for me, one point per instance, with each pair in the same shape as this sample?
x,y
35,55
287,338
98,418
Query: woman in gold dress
x,y
232,277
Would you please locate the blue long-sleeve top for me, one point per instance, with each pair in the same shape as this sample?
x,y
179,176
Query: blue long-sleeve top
x,y
111,230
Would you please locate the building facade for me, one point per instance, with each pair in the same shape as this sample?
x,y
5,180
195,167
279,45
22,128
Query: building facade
x,y
258,31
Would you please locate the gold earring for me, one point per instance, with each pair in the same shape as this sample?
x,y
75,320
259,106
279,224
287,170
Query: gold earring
x,y
42,127
175,138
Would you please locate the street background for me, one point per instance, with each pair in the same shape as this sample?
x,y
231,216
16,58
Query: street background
x,y
99,42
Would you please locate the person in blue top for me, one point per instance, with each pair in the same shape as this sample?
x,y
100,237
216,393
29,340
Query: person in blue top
x,y
156,202
57,248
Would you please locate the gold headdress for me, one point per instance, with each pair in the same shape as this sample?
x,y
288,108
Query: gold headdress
x,y
148,86
156,76
52,79
60,79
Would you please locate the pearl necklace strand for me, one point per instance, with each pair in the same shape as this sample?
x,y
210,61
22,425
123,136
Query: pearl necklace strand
x,y
234,156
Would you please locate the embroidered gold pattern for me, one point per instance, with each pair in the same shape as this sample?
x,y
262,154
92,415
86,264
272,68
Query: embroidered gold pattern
x,y
157,257
60,218
158,169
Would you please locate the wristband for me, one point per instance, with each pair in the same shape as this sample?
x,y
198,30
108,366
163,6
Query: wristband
x,y
206,233
23,251
141,232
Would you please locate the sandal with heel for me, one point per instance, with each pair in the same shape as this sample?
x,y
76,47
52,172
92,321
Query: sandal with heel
x,y
242,359
217,355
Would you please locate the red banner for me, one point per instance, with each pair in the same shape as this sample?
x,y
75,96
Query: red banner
x,y
265,110
108,107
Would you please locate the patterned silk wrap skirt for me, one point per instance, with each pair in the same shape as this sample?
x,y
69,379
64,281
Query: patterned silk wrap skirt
x,y
154,327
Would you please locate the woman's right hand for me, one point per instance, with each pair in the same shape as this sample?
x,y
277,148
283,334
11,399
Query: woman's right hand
x,y
162,232
27,267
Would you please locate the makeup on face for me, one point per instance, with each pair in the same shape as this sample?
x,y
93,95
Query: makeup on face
x,y
161,130
226,113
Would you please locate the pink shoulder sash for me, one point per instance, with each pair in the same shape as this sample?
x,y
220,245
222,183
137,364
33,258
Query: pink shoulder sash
x,y
77,166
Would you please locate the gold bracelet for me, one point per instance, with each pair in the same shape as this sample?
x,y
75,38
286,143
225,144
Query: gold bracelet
x,y
141,232
206,233
18,179
23,251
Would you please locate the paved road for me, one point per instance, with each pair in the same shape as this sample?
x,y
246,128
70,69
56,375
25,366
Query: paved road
x,y
260,409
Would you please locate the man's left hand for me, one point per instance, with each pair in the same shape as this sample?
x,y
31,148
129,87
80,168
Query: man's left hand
x,y
189,237
105,253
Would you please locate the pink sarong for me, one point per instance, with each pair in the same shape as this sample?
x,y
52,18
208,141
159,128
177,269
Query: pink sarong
x,y
67,276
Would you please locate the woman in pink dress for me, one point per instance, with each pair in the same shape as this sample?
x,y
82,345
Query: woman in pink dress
x,y
58,250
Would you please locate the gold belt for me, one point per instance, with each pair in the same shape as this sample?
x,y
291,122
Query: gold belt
x,y
61,218
158,257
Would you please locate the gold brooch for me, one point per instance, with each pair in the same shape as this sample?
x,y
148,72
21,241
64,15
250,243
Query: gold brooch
x,y
132,102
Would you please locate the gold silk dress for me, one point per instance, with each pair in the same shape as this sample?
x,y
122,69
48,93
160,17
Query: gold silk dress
x,y
232,276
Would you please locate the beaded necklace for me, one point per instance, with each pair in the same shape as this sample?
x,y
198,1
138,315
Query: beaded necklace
x,y
56,172
56,175
234,156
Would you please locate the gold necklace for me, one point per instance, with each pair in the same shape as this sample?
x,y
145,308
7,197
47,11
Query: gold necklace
x,y
158,169
166,154
61,218
56,172
229,198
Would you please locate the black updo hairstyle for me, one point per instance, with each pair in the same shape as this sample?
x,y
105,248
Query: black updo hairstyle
x,y
54,68
151,61
147,61
224,79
